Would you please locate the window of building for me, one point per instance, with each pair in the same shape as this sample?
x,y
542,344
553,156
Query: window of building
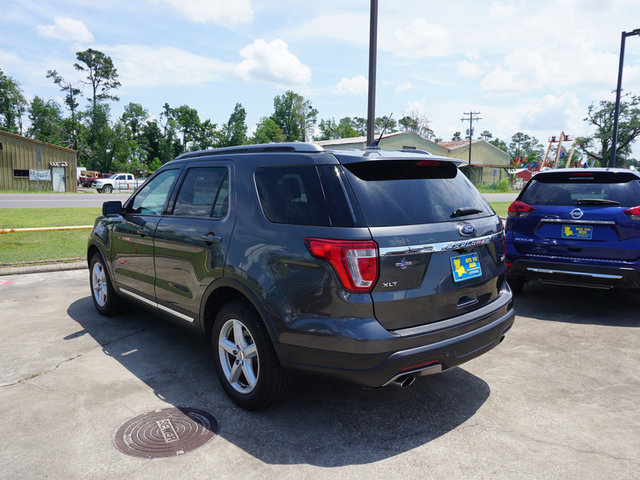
x,y
21,173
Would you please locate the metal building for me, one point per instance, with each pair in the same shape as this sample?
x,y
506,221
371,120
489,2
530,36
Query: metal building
x,y
31,165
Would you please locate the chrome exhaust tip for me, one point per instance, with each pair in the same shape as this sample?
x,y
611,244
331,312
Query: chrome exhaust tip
x,y
404,381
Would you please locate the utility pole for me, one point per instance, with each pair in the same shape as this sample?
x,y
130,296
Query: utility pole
x,y
616,114
470,119
373,49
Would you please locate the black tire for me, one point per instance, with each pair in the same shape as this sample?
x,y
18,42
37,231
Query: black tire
x,y
105,299
107,189
516,284
245,360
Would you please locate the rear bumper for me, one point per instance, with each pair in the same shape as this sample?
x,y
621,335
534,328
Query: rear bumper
x,y
413,351
576,274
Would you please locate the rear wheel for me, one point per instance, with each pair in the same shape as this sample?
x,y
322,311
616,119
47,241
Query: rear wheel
x,y
245,360
103,295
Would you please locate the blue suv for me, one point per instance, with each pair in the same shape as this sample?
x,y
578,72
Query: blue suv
x,y
576,227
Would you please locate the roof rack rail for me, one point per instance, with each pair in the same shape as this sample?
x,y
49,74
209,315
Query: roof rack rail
x,y
302,147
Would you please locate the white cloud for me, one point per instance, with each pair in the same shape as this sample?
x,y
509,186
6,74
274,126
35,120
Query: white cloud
x,y
469,69
420,39
403,87
501,11
220,12
272,62
355,85
67,30
144,66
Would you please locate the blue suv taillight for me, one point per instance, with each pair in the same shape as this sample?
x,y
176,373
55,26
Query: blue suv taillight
x,y
519,209
633,213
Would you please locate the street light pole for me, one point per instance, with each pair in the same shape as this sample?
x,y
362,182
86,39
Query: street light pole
x,y
616,113
373,51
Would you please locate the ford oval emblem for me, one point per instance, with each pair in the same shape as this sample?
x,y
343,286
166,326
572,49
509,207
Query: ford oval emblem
x,y
467,229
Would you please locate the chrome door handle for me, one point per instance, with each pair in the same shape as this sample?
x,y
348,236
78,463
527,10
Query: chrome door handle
x,y
211,238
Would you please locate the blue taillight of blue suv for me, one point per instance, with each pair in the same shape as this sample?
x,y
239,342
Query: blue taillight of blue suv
x,y
576,227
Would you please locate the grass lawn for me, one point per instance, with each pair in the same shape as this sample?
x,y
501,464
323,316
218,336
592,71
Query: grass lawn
x,y
501,208
18,248
47,217
28,247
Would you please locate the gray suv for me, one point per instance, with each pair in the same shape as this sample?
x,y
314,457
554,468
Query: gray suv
x,y
372,266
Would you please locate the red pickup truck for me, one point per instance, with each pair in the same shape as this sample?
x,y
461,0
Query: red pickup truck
x,y
87,180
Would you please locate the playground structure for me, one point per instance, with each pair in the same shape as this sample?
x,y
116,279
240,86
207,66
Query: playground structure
x,y
557,153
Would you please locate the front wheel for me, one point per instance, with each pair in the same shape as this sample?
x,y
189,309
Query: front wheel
x,y
103,295
107,189
245,360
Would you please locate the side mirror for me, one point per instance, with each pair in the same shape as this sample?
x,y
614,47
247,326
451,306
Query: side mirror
x,y
112,208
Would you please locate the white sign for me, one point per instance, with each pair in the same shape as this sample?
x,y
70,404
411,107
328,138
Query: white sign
x,y
40,175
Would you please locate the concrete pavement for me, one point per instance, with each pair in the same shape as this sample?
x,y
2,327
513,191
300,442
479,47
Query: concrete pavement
x,y
557,399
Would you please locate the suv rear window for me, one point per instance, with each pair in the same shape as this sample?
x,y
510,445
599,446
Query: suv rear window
x,y
563,188
400,192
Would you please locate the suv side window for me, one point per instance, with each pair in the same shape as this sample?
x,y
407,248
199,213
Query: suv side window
x,y
292,195
152,196
204,193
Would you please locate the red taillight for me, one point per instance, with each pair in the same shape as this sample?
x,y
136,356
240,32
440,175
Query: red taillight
x,y
519,209
633,213
355,262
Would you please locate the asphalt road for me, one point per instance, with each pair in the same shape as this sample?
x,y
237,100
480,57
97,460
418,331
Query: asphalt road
x,y
557,399
57,200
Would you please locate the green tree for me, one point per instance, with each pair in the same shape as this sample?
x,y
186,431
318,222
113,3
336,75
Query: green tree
x,y
187,122
71,126
486,135
12,104
456,137
268,131
602,118
102,75
525,146
388,124
500,144
294,115
417,122
234,132
46,121
346,128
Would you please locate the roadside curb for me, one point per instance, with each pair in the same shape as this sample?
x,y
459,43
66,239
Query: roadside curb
x,y
52,267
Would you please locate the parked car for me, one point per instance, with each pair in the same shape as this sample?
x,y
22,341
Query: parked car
x,y
576,227
117,181
360,265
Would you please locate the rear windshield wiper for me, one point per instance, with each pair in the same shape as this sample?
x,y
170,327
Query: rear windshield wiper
x,y
461,212
596,201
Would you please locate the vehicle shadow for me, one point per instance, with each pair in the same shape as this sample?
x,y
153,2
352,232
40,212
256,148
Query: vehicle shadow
x,y
324,423
554,303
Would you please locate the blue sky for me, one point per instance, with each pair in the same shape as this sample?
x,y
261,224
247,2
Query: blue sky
x,y
525,66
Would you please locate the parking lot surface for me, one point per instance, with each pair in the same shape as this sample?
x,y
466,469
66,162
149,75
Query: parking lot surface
x,y
557,399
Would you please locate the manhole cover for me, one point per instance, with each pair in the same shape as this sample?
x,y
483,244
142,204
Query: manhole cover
x,y
166,433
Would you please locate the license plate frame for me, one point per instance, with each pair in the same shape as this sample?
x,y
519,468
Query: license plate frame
x,y
465,267
577,232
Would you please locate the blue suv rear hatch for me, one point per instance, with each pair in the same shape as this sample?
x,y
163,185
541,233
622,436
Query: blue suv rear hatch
x,y
587,218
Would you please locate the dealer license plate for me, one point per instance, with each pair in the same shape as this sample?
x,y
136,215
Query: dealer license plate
x,y
579,232
465,267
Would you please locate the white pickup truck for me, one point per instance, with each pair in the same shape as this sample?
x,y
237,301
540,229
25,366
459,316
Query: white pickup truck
x,y
117,181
